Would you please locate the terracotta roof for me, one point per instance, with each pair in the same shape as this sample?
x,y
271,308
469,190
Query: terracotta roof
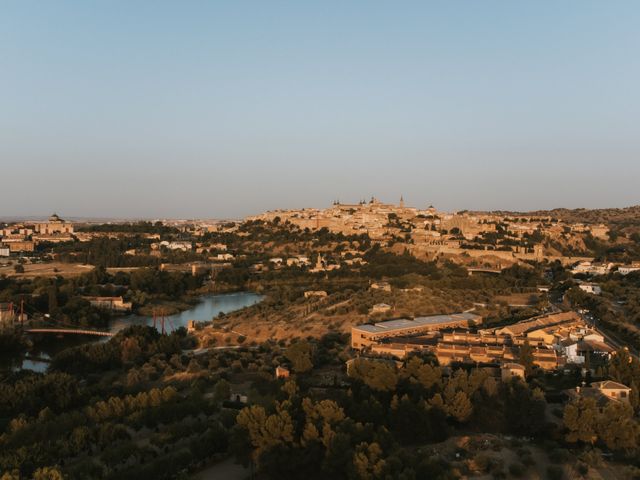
x,y
609,385
538,323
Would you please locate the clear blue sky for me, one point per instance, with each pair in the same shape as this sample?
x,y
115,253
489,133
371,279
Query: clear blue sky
x,y
222,109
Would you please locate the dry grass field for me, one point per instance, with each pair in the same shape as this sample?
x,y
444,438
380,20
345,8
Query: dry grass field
x,y
47,270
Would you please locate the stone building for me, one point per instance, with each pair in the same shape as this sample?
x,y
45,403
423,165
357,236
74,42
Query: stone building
x,y
55,225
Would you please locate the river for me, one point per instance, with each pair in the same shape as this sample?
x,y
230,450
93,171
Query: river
x,y
205,310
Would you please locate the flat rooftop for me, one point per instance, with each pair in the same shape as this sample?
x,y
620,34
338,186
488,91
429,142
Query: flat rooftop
x,y
402,324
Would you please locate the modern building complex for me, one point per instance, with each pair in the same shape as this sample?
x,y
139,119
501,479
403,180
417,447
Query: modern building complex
x,y
538,326
555,340
363,336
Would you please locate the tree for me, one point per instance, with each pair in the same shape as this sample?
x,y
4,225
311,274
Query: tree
x,y
617,427
623,369
410,420
368,463
378,375
524,409
460,407
581,419
48,473
525,357
53,298
299,354
265,431
418,371
13,475
131,351
222,391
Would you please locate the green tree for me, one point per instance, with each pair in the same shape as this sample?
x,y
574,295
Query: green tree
x,y
221,391
524,409
423,373
368,463
265,431
460,407
52,292
378,375
525,357
131,351
623,369
617,428
299,354
48,473
581,420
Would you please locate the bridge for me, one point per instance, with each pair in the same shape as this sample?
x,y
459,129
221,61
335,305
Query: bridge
x,y
74,331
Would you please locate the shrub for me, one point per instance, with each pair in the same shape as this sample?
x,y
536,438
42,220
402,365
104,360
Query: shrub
x,y
482,462
583,468
517,469
527,460
559,455
555,472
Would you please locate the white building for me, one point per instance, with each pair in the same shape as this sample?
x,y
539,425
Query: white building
x,y
626,270
175,245
591,288
592,268
381,308
569,348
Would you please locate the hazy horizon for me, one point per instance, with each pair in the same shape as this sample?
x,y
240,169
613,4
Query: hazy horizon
x,y
111,218
228,109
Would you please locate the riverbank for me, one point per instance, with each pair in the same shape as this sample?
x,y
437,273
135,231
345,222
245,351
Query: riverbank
x,y
168,307
204,309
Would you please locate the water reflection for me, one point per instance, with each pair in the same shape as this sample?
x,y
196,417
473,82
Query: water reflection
x,y
208,308
48,346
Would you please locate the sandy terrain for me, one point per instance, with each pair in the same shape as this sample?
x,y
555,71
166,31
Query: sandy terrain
x,y
47,270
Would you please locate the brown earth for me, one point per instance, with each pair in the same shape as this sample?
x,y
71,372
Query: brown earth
x,y
52,269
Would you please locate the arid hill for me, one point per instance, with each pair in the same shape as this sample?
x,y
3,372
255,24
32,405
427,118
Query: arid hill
x,y
614,216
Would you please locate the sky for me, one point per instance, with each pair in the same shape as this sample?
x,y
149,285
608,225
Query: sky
x,y
221,109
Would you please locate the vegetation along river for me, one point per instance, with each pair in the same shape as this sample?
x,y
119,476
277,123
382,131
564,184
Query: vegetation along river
x,y
205,310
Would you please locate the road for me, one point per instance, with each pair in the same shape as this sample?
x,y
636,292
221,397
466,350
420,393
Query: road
x,y
611,338
618,344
